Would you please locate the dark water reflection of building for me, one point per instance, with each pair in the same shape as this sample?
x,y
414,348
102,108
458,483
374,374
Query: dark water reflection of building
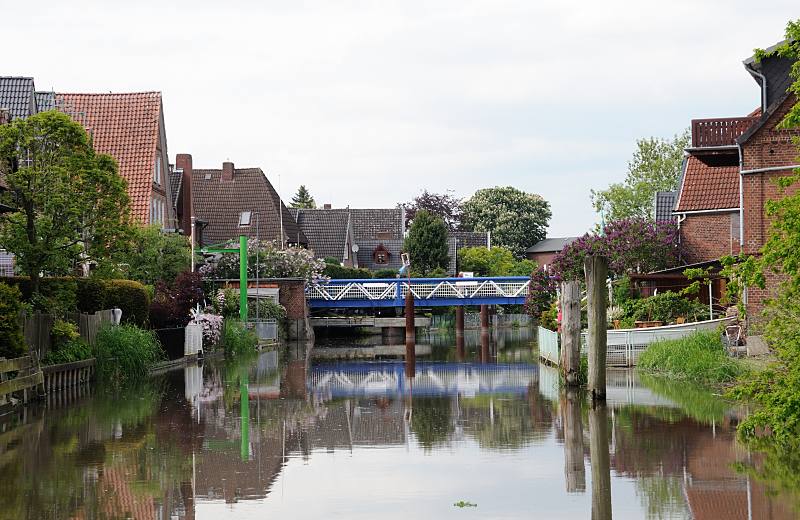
x,y
225,433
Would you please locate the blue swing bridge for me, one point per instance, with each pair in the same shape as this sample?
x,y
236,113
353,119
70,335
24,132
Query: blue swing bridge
x,y
427,292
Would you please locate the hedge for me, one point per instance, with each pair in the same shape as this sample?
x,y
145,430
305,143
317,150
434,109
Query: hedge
x,y
12,343
90,295
338,272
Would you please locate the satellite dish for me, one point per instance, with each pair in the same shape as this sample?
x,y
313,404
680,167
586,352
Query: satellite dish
x,y
354,248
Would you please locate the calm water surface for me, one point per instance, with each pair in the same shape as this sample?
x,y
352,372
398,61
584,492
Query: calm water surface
x,y
282,435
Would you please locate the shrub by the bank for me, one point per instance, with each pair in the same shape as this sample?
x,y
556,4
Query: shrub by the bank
x,y
12,344
699,357
237,338
89,295
125,353
129,296
384,273
665,307
69,352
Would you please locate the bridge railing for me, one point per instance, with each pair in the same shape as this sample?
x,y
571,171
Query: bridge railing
x,y
431,291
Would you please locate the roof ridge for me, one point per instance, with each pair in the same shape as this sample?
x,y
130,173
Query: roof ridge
x,y
158,92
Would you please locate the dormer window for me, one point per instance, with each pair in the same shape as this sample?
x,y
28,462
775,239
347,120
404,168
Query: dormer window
x,y
381,255
157,170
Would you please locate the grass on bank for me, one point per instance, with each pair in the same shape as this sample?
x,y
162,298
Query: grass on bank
x,y
699,357
238,339
125,353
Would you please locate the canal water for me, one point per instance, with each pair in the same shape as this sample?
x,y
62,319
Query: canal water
x,y
479,431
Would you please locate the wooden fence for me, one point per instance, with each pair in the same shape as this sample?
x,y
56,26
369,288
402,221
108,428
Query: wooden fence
x,y
37,327
67,375
28,378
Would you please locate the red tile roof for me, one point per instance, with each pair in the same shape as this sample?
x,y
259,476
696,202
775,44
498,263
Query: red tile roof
x,y
708,187
126,127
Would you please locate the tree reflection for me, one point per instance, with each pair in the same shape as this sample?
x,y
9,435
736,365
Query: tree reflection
x,y
431,421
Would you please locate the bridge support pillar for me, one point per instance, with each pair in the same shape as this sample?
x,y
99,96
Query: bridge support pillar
x,y
485,346
484,317
460,320
460,354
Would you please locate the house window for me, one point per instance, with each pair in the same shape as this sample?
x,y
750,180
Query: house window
x,y
157,170
735,229
381,255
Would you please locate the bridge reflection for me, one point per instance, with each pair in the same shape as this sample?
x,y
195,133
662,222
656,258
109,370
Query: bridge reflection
x,y
430,379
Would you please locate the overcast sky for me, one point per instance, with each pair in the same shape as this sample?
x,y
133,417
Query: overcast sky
x,y
368,103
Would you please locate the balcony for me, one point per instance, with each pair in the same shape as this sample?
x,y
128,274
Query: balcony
x,y
719,131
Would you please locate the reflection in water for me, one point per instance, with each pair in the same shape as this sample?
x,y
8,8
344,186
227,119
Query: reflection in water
x,y
261,437
601,465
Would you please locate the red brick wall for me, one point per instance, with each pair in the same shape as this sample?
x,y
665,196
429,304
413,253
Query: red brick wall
x,y
542,258
708,236
292,296
767,148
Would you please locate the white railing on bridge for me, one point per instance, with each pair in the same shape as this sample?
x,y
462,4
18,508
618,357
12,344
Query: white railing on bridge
x,y
509,287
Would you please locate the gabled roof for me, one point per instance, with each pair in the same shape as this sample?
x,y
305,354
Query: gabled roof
x,y
17,95
175,181
325,229
377,224
664,204
126,127
551,245
220,204
707,187
45,101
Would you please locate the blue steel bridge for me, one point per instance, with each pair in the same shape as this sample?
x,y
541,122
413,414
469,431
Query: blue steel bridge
x,y
428,292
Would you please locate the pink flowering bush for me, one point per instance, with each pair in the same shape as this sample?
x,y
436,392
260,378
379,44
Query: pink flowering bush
x,y
211,325
269,262
633,245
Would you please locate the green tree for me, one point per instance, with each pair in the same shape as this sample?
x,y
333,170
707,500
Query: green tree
x,y
71,205
149,257
426,243
303,198
497,261
515,219
655,166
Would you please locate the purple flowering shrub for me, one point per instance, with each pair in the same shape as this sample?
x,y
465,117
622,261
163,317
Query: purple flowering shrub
x,y
541,293
633,245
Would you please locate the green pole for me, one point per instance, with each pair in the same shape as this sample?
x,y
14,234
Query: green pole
x,y
244,411
243,278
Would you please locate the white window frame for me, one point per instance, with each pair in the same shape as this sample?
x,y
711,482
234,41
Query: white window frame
x,y
157,170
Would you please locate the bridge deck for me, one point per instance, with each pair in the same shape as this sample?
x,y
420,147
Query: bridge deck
x,y
428,292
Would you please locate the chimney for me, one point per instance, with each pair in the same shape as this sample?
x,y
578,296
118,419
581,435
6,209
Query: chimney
x,y
227,171
184,162
326,206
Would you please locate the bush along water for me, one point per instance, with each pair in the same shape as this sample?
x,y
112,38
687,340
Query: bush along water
x,y
125,353
699,357
238,339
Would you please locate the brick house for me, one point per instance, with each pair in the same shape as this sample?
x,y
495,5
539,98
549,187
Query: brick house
x,y
544,251
130,128
730,174
220,196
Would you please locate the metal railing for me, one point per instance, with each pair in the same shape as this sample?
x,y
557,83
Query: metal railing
x,y
426,291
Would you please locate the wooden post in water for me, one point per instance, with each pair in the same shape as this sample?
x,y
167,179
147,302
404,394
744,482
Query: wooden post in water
x,y
596,268
571,332
411,348
599,459
574,469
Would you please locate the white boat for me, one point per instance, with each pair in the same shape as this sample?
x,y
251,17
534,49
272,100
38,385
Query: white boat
x,y
625,345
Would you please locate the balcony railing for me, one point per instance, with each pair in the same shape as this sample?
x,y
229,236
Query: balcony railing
x,y
720,131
